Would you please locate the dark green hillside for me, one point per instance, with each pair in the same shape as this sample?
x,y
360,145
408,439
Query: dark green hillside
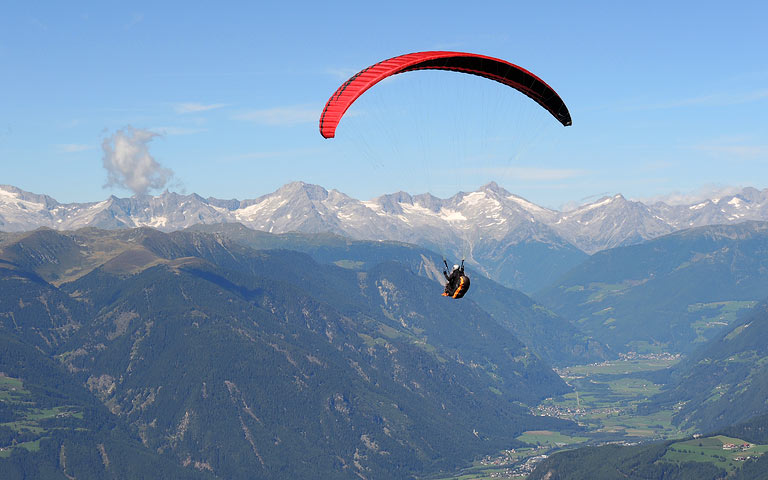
x,y
556,340
521,265
297,378
725,382
754,430
44,249
530,265
736,453
333,249
672,293
35,311
232,361
51,427
611,462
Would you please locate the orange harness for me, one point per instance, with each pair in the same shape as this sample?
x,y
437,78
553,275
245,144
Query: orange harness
x,y
461,286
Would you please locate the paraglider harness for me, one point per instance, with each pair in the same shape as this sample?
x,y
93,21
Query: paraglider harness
x,y
458,283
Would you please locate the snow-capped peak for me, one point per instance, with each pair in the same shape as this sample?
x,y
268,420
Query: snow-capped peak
x,y
488,213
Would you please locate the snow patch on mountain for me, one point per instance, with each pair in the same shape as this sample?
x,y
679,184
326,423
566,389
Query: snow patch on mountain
x,y
490,214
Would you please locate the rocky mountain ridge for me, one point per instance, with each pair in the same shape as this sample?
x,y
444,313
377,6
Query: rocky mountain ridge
x,y
492,228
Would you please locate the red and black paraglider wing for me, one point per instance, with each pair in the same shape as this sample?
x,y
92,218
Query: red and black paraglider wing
x,y
488,67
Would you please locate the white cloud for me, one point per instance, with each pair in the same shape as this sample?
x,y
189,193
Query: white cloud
x,y
129,163
192,107
282,116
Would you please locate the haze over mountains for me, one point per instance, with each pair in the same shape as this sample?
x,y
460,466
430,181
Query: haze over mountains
x,y
511,240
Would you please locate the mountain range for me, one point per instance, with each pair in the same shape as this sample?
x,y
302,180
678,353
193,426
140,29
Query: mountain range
x,y
672,293
242,363
509,239
214,349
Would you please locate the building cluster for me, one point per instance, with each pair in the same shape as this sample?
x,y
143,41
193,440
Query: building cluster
x,y
743,458
570,372
737,447
509,458
569,413
522,470
504,459
649,356
559,411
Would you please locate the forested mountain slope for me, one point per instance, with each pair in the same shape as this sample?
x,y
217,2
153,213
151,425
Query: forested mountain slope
x,y
233,361
672,293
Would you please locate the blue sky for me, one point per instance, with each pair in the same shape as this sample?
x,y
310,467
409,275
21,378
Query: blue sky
x,y
666,97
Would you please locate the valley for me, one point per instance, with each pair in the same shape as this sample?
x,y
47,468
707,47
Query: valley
x,y
604,404
606,397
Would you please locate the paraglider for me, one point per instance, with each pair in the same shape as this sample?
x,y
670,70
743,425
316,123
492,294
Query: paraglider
x,y
488,67
457,282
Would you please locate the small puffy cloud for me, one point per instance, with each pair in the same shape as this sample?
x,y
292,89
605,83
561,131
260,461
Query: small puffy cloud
x,y
191,107
129,163
282,116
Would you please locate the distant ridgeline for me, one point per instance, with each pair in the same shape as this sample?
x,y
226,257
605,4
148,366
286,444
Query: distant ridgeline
x,y
670,294
136,353
508,238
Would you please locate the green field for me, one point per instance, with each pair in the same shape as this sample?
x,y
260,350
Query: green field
x,y
549,438
710,449
30,422
606,396
11,389
716,315
602,290
619,367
